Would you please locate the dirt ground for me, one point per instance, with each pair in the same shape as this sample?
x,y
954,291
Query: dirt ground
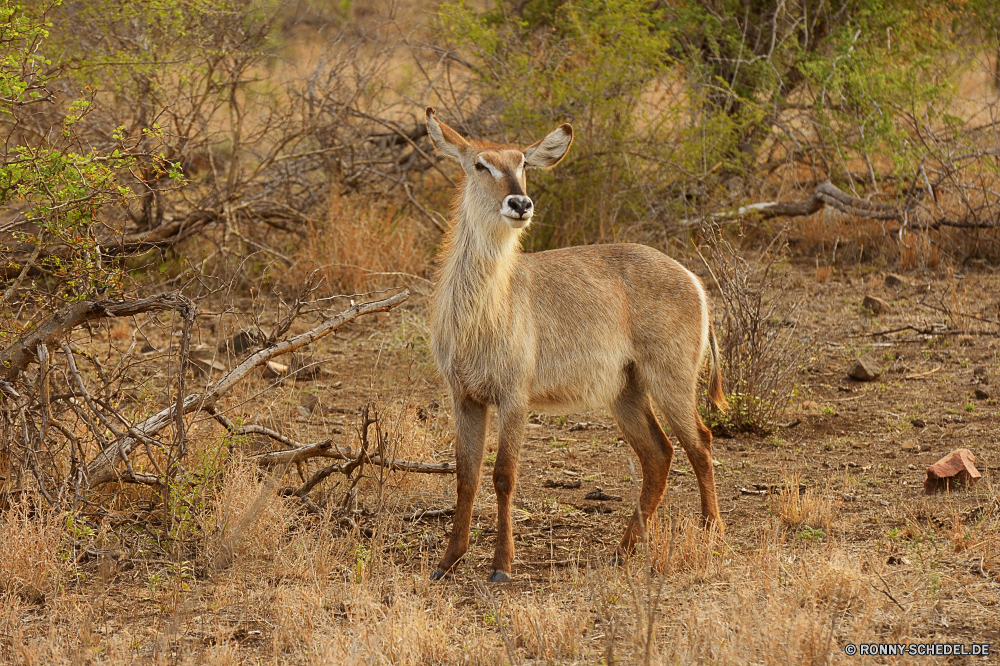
x,y
858,449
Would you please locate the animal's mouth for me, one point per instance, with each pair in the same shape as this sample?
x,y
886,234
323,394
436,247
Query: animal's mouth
x,y
516,220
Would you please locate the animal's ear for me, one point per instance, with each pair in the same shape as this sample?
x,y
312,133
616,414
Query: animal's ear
x,y
445,139
549,151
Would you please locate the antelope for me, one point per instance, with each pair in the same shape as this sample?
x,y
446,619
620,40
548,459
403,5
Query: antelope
x,y
605,326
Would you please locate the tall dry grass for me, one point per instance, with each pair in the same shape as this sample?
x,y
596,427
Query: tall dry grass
x,y
34,564
364,245
296,596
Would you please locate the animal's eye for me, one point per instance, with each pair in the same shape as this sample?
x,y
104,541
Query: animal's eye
x,y
480,167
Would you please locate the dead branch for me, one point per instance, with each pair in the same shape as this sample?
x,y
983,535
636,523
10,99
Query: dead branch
x,y
951,313
428,513
828,194
103,469
15,357
327,449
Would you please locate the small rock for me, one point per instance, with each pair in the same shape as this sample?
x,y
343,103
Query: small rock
x,y
850,498
893,281
979,375
303,411
954,470
864,370
809,405
567,485
911,447
911,466
897,559
309,401
922,288
601,496
204,359
981,394
148,349
875,305
917,423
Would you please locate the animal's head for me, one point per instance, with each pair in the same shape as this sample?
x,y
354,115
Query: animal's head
x,y
495,174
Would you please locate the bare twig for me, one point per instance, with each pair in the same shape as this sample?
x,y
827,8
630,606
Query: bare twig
x,y
102,469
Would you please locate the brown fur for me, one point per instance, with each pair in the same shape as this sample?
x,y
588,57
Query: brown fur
x,y
606,326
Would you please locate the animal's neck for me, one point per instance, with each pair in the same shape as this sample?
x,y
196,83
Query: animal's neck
x,y
476,274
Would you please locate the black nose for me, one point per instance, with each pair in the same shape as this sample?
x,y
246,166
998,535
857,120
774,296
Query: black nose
x,y
520,206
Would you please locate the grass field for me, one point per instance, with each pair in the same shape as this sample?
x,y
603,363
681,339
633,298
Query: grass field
x,y
854,553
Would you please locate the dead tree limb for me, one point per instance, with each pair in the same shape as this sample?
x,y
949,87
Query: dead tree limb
x,y
16,357
327,449
103,468
828,194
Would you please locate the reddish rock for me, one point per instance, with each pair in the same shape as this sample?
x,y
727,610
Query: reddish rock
x,y
875,305
954,470
865,369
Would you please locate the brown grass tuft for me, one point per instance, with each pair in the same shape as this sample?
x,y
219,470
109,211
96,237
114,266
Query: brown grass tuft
x,y
800,508
31,567
552,631
362,246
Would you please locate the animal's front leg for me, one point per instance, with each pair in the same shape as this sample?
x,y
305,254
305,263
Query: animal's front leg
x,y
511,434
470,434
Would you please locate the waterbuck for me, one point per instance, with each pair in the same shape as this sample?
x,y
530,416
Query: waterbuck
x,y
584,327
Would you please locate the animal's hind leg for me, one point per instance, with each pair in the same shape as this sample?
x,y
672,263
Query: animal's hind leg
x,y
634,414
696,440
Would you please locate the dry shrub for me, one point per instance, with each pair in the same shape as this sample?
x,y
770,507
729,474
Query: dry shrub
x,y
835,236
363,245
796,507
550,631
777,609
31,567
249,520
757,338
746,629
683,546
834,583
311,554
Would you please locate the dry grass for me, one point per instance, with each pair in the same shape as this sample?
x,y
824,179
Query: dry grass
x,y
363,246
797,506
33,565
255,579
304,592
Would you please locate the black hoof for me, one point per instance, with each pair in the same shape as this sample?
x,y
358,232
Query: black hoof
x,y
438,574
498,577
618,560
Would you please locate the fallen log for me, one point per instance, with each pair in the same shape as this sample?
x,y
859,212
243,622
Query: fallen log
x,y
828,194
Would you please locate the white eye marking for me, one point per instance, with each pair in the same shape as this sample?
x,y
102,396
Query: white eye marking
x,y
493,170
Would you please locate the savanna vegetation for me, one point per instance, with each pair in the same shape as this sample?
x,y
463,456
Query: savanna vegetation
x,y
222,436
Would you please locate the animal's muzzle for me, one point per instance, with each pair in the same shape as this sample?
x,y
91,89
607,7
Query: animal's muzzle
x,y
517,206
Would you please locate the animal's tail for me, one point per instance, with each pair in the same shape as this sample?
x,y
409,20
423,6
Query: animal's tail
x,y
715,392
